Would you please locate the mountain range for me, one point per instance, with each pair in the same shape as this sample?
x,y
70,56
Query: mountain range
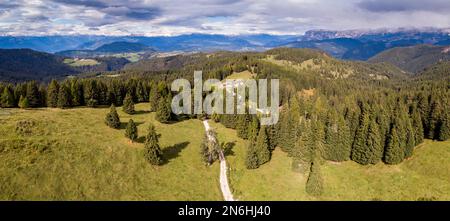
x,y
352,45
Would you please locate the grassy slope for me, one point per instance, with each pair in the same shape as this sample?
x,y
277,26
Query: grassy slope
x,y
425,175
73,155
88,161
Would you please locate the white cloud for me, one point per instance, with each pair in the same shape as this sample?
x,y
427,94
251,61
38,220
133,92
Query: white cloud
x,y
158,17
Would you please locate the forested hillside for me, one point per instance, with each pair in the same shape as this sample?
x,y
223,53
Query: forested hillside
x,y
413,59
330,110
24,64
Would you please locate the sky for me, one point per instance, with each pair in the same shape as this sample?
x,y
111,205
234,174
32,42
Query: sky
x,y
231,17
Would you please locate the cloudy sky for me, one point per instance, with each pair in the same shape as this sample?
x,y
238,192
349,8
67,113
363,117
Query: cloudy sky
x,y
174,17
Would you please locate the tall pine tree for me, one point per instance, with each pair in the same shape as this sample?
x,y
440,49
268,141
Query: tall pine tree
x,y
153,153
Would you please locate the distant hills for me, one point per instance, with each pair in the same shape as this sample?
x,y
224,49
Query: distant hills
x,y
413,59
109,49
26,64
362,45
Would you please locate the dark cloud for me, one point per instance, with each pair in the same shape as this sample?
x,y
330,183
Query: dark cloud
x,y
404,5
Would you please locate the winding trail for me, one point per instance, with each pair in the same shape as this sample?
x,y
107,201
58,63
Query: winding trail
x,y
227,195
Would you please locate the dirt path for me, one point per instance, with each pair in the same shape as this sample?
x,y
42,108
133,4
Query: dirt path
x,y
227,195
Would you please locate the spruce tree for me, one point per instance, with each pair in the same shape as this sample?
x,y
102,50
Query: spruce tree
x,y
76,92
52,94
63,97
242,126
112,118
163,112
418,127
33,94
360,152
7,97
375,147
131,131
23,102
314,184
434,120
153,152
253,130
410,139
128,104
251,160
394,153
153,97
444,129
262,146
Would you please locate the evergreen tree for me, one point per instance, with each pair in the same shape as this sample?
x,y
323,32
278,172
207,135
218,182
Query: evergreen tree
x,y
242,126
251,160
63,97
262,146
444,129
153,97
23,102
112,118
210,149
131,131
375,147
33,94
314,184
394,153
418,127
360,152
303,152
434,119
128,104
410,139
76,92
253,130
52,94
7,98
163,112
153,152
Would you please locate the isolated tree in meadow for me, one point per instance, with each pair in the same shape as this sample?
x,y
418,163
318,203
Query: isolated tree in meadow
x,y
163,111
23,102
210,148
314,184
131,131
153,153
262,146
112,118
7,97
63,97
52,94
128,104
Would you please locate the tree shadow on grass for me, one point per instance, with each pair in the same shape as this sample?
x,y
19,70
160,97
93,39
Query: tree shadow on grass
x,y
141,112
228,148
172,152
